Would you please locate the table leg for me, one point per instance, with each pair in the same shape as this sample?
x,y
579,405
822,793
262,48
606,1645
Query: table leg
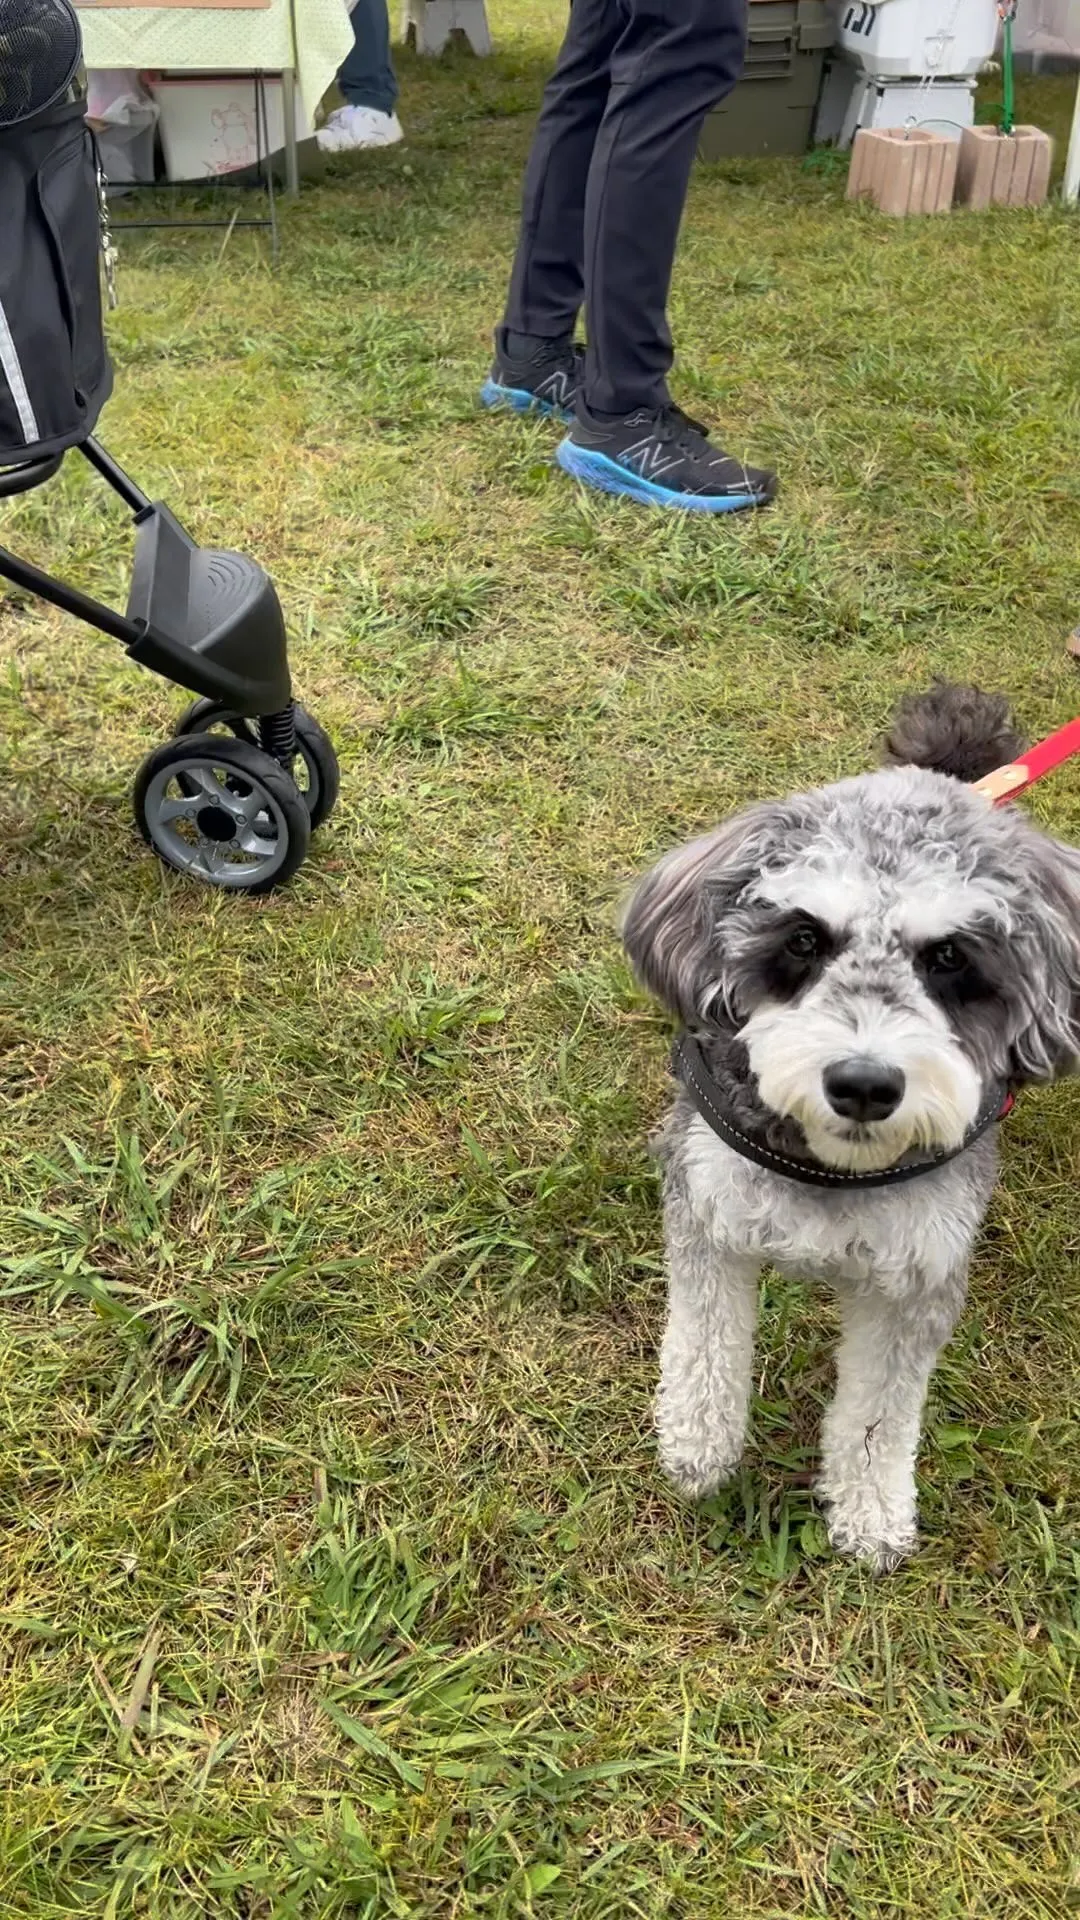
x,y
292,158
1071,188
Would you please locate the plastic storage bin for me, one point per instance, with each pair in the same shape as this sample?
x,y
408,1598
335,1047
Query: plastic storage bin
x,y
851,100
772,108
208,123
909,39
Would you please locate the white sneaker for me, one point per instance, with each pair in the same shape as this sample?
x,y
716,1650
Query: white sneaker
x,y
349,128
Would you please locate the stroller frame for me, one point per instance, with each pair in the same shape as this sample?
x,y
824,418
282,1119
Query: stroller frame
x,y
233,798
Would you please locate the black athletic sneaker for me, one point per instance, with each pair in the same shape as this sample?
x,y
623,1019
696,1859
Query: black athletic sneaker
x,y
545,382
664,459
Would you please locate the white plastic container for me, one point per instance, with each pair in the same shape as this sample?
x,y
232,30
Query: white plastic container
x,y
946,108
209,123
910,39
850,100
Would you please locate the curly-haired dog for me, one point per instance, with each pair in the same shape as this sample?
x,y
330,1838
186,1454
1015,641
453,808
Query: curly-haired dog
x,y
862,973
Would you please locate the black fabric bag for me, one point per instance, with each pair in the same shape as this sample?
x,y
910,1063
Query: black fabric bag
x,y
55,375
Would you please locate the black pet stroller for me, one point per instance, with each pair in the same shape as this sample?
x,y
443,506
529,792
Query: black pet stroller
x,y
232,799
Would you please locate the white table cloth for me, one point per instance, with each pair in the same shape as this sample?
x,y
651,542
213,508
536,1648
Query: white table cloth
x,y
307,37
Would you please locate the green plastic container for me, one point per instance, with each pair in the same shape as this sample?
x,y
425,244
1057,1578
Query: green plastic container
x,y
772,108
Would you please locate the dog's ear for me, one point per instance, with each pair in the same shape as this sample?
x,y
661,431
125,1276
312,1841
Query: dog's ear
x,y
669,923
1047,948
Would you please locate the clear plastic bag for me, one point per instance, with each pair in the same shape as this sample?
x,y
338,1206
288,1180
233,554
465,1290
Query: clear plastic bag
x,y
124,115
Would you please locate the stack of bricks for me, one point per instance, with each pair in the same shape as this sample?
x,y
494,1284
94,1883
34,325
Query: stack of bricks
x,y
907,170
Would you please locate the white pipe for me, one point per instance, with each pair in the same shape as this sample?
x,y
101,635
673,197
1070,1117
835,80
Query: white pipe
x,y
1071,187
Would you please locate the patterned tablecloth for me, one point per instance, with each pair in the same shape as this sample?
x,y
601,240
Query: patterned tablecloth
x,y
312,36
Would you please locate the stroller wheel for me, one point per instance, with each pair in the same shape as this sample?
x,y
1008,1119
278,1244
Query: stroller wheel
x,y
316,769
222,811
212,716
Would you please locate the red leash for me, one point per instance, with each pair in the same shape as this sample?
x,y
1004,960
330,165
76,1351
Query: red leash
x,y
1006,782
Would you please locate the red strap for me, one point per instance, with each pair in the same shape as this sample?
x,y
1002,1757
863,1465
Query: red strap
x,y
1006,782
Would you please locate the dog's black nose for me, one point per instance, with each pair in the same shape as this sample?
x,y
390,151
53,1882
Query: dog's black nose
x,y
862,1089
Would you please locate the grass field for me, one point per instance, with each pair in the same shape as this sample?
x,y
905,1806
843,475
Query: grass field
x,y
338,1577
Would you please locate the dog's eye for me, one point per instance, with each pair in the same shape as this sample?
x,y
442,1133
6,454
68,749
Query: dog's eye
x,y
804,943
944,957
802,946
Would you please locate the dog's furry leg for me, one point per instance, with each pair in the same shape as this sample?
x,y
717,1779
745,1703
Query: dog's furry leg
x,y
706,1360
871,1432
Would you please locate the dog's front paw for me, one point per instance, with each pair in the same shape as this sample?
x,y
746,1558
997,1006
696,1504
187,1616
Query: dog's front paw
x,y
697,1472
870,1523
881,1547
871,1514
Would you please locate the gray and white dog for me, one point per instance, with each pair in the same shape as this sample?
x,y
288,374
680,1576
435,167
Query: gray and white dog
x,y
862,972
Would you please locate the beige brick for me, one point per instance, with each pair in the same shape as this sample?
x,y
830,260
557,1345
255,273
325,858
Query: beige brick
x,y
1041,162
903,170
976,167
1003,169
897,176
861,166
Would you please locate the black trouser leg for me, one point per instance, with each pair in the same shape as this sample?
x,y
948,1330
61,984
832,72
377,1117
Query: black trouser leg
x,y
607,179
673,61
546,285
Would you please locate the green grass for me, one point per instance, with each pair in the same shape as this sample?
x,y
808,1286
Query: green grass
x,y
338,1578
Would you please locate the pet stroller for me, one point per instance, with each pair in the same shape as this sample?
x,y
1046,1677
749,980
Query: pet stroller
x,y
232,799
